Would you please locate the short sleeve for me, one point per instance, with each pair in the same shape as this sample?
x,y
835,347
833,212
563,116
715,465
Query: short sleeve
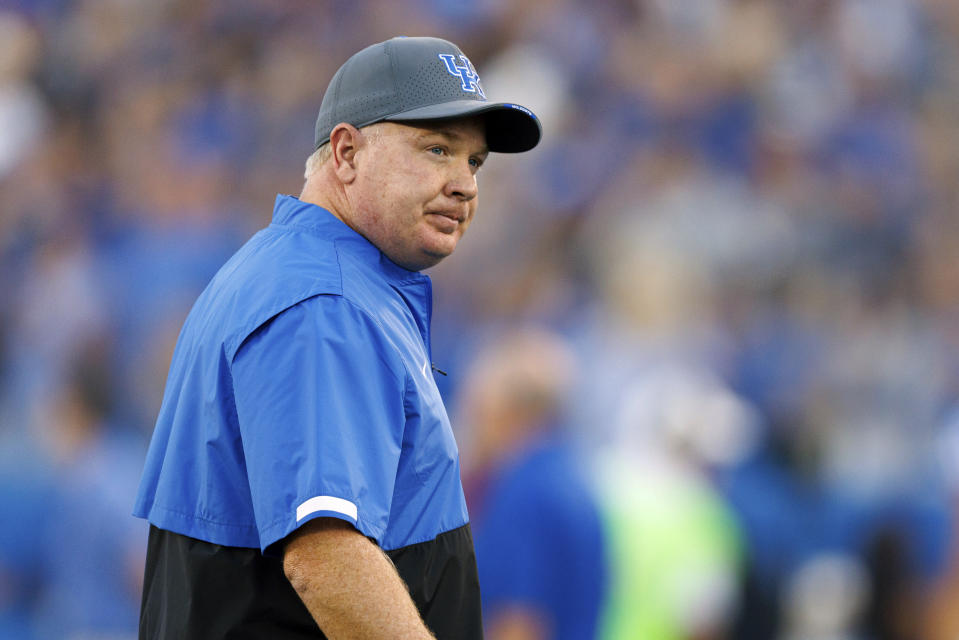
x,y
319,397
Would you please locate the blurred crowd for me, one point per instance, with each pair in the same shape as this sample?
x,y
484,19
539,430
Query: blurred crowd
x,y
738,242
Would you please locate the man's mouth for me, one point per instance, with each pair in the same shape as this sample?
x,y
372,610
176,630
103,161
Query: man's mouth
x,y
456,216
445,221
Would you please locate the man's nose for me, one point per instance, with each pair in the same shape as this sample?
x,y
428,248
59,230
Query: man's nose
x,y
462,182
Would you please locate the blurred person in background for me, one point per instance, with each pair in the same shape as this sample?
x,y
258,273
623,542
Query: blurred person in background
x,y
91,564
303,460
941,604
539,540
72,559
675,548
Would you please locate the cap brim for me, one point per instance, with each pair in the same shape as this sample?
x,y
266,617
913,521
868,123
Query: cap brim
x,y
510,128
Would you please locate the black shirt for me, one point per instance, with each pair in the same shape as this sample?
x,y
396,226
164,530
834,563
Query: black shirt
x,y
196,590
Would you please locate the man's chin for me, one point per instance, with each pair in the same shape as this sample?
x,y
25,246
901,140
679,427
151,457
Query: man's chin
x,y
444,248
433,258
423,260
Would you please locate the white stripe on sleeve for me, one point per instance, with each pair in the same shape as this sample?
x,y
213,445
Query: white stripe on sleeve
x,y
326,503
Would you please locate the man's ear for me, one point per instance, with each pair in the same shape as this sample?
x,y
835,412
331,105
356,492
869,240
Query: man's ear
x,y
345,141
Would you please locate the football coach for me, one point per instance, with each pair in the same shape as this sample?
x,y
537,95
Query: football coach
x,y
303,480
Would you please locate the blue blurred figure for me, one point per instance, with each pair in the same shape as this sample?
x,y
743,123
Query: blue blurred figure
x,y
537,528
91,550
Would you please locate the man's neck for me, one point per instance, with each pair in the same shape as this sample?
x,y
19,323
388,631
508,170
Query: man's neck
x,y
317,192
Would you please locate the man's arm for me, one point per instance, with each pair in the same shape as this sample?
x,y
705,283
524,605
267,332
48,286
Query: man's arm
x,y
349,585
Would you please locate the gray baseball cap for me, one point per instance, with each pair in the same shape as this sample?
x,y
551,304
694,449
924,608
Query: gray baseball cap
x,y
412,79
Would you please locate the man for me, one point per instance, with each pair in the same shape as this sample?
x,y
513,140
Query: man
x,y
540,542
301,434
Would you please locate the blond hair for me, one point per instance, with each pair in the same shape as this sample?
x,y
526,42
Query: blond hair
x,y
317,159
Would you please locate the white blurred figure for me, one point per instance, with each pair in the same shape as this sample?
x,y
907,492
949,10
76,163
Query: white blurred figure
x,y
662,266
824,599
805,94
675,546
23,114
878,38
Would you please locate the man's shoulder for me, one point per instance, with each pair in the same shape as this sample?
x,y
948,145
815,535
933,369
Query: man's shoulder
x,y
279,267
289,260
273,271
278,258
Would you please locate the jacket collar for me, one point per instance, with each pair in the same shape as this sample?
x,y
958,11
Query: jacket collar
x,y
290,211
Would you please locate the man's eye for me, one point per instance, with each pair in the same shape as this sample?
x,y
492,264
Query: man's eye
x,y
476,163
437,151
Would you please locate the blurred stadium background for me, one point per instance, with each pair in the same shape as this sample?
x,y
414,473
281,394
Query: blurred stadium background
x,y
743,223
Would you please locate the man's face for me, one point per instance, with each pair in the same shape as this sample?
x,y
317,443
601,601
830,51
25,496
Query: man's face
x,y
415,188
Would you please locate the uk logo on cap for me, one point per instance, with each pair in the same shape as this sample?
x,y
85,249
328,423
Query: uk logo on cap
x,y
467,74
